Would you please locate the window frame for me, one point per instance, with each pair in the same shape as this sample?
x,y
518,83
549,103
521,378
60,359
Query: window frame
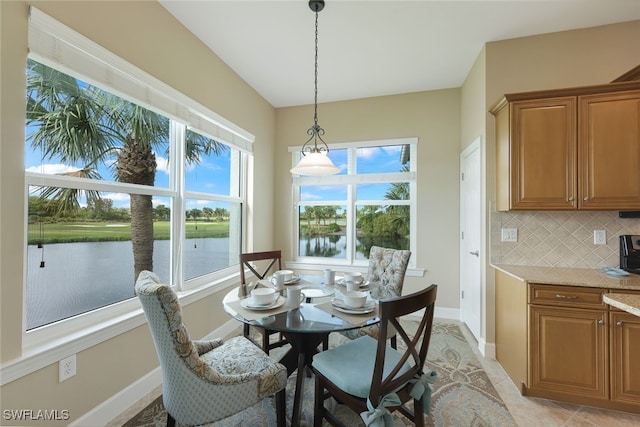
x,y
57,46
351,180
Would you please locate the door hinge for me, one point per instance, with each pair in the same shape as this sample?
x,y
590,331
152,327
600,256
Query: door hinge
x,y
462,294
462,176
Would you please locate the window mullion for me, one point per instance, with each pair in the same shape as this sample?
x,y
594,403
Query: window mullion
x,y
177,132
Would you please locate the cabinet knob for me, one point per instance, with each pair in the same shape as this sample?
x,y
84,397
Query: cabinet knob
x,y
585,198
600,322
618,323
571,199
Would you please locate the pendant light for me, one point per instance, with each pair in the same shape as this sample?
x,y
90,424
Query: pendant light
x,y
315,161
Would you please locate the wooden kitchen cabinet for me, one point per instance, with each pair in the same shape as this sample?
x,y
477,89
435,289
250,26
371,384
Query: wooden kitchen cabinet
x,y
625,356
568,343
538,154
567,149
609,151
565,343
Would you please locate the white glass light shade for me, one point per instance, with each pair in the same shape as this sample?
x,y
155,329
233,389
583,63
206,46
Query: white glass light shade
x,y
315,163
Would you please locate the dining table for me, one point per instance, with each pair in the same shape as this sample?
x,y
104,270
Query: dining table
x,y
305,327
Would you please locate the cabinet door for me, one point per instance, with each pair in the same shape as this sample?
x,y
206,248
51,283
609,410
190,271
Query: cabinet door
x,y
609,151
543,154
568,351
625,358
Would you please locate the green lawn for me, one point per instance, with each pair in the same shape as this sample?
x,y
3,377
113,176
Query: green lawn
x,y
66,232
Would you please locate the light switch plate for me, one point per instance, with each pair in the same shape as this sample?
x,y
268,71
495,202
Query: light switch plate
x,y
599,237
510,235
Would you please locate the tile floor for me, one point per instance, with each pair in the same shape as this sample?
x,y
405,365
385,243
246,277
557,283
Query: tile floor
x,y
527,411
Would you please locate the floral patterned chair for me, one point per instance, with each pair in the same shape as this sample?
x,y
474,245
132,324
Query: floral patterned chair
x,y
205,381
387,268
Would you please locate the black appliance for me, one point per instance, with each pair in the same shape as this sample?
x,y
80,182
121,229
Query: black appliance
x,y
630,253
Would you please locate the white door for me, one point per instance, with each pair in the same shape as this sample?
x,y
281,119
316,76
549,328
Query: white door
x,y
470,241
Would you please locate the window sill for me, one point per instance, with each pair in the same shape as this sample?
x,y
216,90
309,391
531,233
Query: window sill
x,y
50,352
362,268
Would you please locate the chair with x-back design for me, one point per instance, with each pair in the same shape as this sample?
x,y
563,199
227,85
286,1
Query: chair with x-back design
x,y
261,264
374,379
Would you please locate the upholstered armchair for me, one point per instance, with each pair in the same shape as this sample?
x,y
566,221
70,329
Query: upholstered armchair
x,y
387,268
205,381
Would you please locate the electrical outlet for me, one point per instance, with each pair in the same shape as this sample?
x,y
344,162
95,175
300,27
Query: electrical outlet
x,y
599,237
509,235
67,368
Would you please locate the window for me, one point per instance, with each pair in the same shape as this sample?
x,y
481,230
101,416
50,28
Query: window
x,y
118,182
371,201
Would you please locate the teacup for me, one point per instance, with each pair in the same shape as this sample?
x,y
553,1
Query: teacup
x,y
288,274
263,296
352,276
295,296
354,299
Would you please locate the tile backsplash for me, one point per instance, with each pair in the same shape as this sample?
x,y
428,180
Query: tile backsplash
x,y
559,238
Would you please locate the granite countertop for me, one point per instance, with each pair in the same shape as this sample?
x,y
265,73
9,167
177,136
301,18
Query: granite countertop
x,y
588,277
627,302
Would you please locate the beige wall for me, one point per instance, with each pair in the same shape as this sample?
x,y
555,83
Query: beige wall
x,y
146,35
432,117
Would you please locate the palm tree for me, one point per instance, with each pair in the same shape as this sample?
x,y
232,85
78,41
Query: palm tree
x,y
80,124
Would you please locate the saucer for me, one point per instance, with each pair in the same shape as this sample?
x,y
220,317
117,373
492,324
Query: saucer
x,y
294,279
246,303
368,307
342,283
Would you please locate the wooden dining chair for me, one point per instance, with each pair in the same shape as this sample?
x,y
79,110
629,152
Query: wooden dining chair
x,y
374,379
260,265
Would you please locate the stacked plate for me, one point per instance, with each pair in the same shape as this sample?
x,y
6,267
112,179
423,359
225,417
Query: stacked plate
x,y
249,305
339,305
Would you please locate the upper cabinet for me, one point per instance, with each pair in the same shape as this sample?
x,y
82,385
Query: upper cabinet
x,y
576,148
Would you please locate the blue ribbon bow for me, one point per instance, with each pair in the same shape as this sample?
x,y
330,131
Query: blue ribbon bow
x,y
422,389
380,416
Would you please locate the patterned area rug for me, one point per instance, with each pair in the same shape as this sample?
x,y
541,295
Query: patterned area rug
x,y
462,395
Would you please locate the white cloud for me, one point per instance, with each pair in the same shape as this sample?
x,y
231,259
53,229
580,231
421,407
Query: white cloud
x,y
51,169
163,164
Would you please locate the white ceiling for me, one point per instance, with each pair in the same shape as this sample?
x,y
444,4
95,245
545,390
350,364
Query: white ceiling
x,y
373,48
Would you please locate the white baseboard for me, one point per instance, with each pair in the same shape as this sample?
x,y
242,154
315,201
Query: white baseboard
x,y
102,414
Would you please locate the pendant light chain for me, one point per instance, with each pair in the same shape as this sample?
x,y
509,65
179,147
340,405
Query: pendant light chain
x,y
315,95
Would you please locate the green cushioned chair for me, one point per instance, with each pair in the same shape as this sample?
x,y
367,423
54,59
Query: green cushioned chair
x,y
375,379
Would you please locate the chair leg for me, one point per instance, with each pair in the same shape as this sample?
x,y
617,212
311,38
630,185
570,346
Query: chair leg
x,y
171,422
265,341
318,403
281,408
394,342
325,344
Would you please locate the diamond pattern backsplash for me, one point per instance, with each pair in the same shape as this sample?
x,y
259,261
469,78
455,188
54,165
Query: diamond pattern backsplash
x,y
559,239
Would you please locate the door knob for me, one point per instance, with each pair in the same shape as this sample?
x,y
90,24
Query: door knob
x,y
476,253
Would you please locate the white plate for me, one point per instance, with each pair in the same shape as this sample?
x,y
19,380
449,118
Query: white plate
x,y
368,307
294,279
342,283
246,303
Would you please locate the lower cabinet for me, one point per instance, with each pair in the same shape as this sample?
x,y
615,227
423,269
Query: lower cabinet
x,y
568,352
576,348
625,358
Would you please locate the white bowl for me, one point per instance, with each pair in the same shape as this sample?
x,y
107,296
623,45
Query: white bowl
x,y
353,276
354,299
288,274
263,296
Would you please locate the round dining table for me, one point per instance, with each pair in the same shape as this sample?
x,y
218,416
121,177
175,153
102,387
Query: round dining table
x,y
304,327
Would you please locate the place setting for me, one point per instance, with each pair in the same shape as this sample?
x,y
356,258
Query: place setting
x,y
352,281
